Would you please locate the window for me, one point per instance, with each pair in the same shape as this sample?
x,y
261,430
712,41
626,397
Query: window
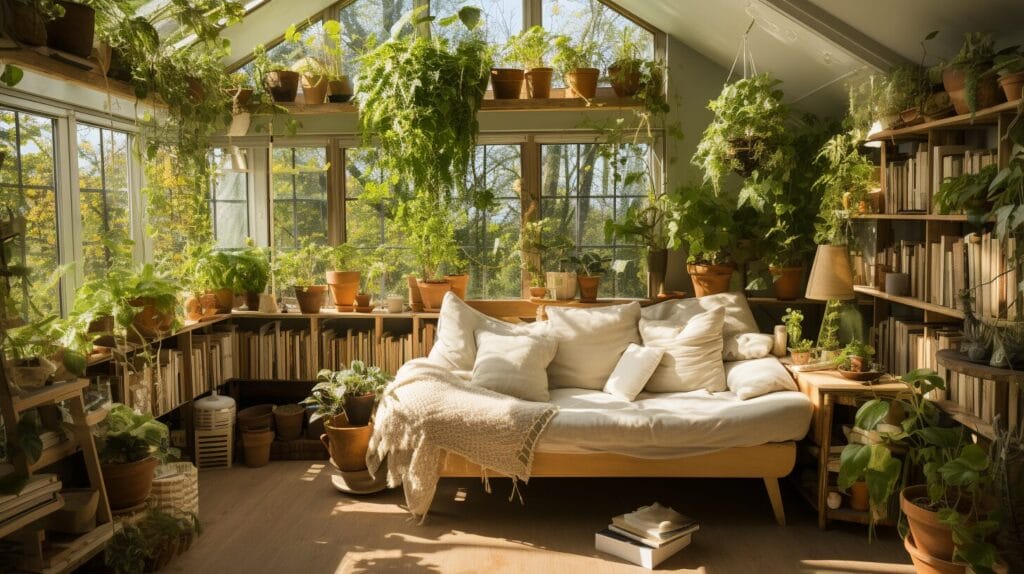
x,y
365,18
284,54
229,198
592,20
299,192
501,18
582,185
177,208
103,164
28,187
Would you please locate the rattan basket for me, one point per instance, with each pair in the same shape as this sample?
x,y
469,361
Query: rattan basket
x,y
176,489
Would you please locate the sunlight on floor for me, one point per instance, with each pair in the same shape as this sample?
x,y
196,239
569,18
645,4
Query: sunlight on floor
x,y
853,567
312,472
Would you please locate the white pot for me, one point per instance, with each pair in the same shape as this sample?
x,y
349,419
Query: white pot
x,y
562,284
394,303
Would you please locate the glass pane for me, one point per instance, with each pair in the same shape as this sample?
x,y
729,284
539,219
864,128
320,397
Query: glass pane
x,y
232,224
299,187
8,128
177,212
592,21
592,214
502,18
36,139
116,158
90,157
558,169
365,18
104,204
363,224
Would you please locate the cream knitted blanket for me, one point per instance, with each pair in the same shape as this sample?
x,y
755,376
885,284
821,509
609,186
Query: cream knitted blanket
x,y
428,411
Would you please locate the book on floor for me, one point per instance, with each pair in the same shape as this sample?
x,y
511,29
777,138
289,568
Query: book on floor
x,y
654,540
637,552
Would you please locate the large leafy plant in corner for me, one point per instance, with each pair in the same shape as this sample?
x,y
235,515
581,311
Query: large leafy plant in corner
x,y
126,436
704,222
418,99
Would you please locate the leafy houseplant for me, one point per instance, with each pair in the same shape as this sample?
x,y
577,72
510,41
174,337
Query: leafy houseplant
x,y
703,222
352,391
799,348
575,62
968,78
149,544
1009,66
321,67
530,49
968,193
252,274
855,357
343,264
590,266
130,446
846,180
627,64
217,273
429,227
302,269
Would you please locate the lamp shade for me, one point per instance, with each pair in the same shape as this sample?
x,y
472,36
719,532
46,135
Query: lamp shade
x,y
831,274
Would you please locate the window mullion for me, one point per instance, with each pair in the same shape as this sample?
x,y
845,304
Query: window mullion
x,y
69,220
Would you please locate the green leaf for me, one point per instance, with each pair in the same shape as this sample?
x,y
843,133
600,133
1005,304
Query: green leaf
x,y
931,35
852,463
11,75
974,457
871,413
470,16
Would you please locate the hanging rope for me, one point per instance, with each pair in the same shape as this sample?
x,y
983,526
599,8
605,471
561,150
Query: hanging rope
x,y
749,68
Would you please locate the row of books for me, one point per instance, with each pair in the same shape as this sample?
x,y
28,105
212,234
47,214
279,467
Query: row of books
x,y
907,257
389,353
916,172
907,182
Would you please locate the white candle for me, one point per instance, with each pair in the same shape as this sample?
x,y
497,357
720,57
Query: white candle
x,y
779,348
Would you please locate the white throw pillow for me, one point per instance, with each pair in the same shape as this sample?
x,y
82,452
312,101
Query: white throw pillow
x,y
693,353
749,379
633,371
738,321
590,342
514,365
747,346
455,345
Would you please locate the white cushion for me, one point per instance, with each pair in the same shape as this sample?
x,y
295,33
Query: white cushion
x,y
738,320
747,346
633,371
590,342
749,379
693,352
455,345
514,365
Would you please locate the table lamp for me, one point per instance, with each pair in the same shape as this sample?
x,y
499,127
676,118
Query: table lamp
x,y
831,275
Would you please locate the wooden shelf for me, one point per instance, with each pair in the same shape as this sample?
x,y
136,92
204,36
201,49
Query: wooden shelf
x,y
908,301
956,217
77,551
985,117
50,394
66,67
55,453
534,105
957,361
30,516
774,301
969,420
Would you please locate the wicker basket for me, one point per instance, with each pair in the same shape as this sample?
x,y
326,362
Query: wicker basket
x,y
176,489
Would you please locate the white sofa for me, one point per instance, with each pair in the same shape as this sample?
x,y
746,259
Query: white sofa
x,y
695,425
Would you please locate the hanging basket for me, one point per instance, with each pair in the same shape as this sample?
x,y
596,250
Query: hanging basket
x,y
743,152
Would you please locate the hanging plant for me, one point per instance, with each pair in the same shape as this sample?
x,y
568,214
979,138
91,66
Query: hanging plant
x,y
418,100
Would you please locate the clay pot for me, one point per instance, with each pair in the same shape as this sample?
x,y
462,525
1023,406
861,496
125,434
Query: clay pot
x,y
74,31
911,116
415,297
282,85
193,308
359,408
1013,85
252,301
589,284
256,417
657,263
339,91
582,82
311,298
800,357
787,282
927,564
256,446
148,321
625,78
288,420
314,89
129,484
209,303
857,364
507,83
347,443
709,279
344,286
988,94
459,283
363,302
224,300
538,82
931,536
859,499
563,283
538,292
432,293
240,98
27,24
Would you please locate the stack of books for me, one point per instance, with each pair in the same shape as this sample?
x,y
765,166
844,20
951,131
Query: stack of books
x,y
647,536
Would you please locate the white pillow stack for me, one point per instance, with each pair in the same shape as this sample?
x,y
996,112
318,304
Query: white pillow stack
x,y
740,334
749,379
590,343
457,325
514,365
693,352
633,371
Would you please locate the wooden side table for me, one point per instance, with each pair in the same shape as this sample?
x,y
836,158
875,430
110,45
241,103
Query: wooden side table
x,y
826,389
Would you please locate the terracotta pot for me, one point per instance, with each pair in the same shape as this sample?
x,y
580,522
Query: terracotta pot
x,y
859,499
311,298
359,408
282,85
252,301
224,300
339,91
657,263
128,484
538,82
240,98
432,293
507,83
911,116
538,292
258,417
103,325
459,283
927,564
149,321
363,302
314,89
209,303
347,443
857,364
1013,85
987,94
932,536
74,31
589,284
256,446
193,308
344,286
27,24
288,420
787,282
709,279
625,78
415,297
800,357
582,82
196,91
563,283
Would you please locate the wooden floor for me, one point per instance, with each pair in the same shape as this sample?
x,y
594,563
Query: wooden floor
x,y
286,517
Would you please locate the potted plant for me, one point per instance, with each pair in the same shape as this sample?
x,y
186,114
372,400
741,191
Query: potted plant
x,y
301,269
331,53
531,253
507,83
575,62
252,274
530,48
218,275
28,349
130,446
28,20
1009,66
969,79
344,260
346,399
625,71
703,223
430,231
749,132
151,297
799,348
240,90
855,357
73,30
968,193
149,544
321,62
590,266
281,83
950,517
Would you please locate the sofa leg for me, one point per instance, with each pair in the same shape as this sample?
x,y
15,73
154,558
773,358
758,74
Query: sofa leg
x,y
775,496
